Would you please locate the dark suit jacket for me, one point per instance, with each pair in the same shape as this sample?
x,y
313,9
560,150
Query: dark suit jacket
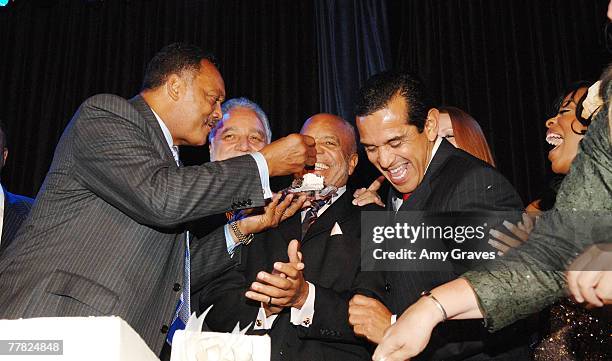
x,y
455,181
332,265
105,235
16,210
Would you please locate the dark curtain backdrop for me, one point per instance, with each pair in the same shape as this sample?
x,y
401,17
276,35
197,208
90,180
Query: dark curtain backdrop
x,y
353,44
503,62
54,54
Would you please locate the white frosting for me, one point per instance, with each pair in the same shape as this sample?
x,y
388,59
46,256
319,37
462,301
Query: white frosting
x,y
191,344
312,182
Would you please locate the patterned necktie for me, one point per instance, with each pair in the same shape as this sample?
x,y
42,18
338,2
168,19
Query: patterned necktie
x,y
311,215
183,307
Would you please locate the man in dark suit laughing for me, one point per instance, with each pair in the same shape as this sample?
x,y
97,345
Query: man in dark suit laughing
x,y
398,126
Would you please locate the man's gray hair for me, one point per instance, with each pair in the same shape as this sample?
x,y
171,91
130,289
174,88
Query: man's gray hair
x,y
243,102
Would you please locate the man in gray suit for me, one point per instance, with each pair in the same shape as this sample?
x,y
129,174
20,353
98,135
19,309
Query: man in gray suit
x,y
105,236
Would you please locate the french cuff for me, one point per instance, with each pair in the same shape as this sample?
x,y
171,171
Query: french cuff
x,y
229,241
264,173
305,315
262,322
393,319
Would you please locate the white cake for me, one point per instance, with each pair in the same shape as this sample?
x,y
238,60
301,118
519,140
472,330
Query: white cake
x,y
83,338
191,344
310,182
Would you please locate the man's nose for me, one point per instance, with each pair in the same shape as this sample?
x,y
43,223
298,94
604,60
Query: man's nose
x,y
217,113
243,144
385,158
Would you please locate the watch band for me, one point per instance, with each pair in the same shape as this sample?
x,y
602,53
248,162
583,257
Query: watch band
x,y
242,238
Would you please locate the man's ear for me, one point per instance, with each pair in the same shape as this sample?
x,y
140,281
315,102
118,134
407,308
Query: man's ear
x,y
175,86
352,163
4,156
431,124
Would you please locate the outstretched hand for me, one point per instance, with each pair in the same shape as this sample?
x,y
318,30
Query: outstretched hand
x,y
520,234
365,196
289,154
410,334
589,277
273,213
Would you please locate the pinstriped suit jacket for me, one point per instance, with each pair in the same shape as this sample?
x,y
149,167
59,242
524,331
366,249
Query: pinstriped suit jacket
x,y
105,236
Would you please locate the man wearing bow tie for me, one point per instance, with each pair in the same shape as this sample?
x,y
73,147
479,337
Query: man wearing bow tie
x,y
298,292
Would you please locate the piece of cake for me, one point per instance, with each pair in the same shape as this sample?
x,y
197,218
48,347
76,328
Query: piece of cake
x,y
309,182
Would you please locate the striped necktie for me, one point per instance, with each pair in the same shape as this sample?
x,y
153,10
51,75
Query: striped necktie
x,y
311,215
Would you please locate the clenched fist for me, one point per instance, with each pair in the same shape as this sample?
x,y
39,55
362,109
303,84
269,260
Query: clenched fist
x,y
290,154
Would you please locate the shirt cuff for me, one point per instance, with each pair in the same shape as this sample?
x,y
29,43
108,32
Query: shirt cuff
x,y
264,174
229,241
262,322
305,315
393,319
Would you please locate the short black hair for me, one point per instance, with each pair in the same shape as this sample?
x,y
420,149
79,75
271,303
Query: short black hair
x,y
379,89
174,59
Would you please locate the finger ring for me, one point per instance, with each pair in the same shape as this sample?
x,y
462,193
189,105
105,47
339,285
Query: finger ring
x,y
270,301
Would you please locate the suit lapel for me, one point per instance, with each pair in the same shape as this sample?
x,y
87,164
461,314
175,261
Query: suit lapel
x,y
291,228
326,221
159,141
421,194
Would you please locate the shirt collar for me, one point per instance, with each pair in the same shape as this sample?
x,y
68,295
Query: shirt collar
x,y
433,152
167,136
334,198
397,201
339,193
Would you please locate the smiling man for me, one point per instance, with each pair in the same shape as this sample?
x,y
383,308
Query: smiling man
x,y
243,129
398,126
106,236
305,311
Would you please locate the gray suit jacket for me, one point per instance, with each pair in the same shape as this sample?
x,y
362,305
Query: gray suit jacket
x,y
105,236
